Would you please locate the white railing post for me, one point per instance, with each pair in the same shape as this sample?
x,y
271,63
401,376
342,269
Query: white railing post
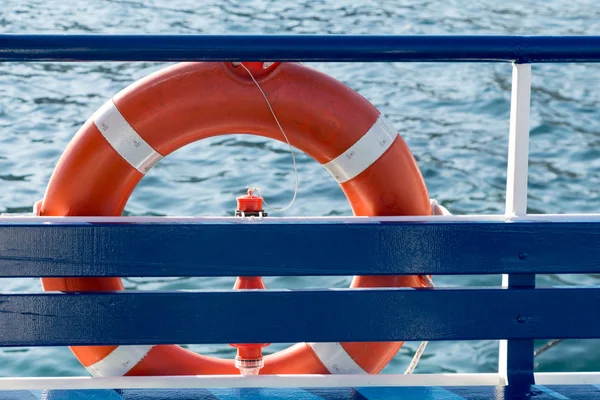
x,y
518,142
515,363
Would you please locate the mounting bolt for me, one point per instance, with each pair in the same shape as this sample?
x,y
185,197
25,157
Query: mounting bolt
x,y
522,319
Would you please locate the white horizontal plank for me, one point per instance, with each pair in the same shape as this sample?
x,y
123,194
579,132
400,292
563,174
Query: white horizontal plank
x,y
287,381
567,378
229,381
10,219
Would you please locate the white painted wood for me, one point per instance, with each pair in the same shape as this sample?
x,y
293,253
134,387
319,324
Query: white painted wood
x,y
503,350
518,142
7,219
283,381
567,378
229,381
32,220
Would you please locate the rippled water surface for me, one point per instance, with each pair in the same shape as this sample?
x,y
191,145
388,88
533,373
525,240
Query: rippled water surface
x,y
454,117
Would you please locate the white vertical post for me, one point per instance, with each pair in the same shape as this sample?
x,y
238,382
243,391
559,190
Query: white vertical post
x,y
503,356
518,142
516,177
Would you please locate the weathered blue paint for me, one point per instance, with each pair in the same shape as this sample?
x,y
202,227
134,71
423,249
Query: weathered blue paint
x,y
552,393
20,395
335,249
513,392
271,394
527,392
50,319
89,394
336,394
519,360
405,48
421,393
576,391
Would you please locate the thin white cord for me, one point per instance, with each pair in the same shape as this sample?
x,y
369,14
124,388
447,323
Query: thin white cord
x,y
416,358
286,139
421,349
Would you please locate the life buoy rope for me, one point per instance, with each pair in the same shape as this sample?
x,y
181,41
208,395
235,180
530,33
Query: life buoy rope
x,y
188,102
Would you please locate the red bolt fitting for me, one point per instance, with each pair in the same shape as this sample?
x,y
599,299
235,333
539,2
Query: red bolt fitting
x,y
250,205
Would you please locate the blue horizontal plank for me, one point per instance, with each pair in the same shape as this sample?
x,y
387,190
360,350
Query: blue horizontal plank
x,y
290,316
533,49
296,249
535,392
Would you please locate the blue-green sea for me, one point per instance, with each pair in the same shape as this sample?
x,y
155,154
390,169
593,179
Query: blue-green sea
x,y
454,117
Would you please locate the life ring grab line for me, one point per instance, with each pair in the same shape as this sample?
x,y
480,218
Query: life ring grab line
x,y
132,147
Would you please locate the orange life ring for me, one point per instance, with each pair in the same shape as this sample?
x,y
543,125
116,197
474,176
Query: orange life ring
x,y
191,101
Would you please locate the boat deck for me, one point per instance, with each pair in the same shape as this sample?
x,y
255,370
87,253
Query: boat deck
x,y
534,392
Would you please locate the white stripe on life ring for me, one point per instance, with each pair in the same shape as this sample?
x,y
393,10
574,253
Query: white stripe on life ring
x,y
124,139
364,152
336,359
120,361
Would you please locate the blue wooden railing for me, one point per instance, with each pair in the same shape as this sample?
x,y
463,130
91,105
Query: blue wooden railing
x,y
520,247
205,249
521,49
